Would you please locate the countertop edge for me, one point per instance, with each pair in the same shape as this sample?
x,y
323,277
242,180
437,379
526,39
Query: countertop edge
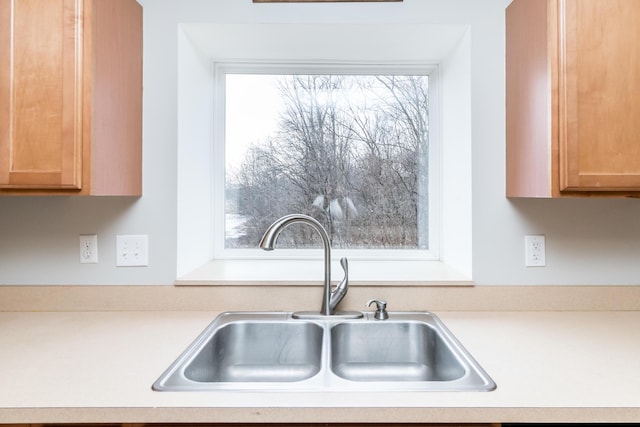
x,y
316,415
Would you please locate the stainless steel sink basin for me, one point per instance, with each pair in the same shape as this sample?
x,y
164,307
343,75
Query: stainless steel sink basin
x,y
246,351
392,351
274,351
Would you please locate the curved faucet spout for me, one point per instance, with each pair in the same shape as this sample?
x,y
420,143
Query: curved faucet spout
x,y
268,242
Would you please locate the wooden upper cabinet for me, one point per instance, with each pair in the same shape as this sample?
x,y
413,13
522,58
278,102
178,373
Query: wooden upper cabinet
x,y
573,104
71,97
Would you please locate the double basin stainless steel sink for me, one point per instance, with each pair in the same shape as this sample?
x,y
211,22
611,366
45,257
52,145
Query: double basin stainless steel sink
x,y
275,351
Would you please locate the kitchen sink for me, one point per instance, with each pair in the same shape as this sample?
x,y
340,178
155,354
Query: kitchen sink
x,y
275,351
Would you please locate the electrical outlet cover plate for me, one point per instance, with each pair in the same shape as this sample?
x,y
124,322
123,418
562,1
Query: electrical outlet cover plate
x,y
534,251
88,249
132,251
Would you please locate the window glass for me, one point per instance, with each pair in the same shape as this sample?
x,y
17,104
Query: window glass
x,y
351,150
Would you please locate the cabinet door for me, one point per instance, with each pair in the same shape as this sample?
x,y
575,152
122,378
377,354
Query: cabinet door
x,y
40,94
599,95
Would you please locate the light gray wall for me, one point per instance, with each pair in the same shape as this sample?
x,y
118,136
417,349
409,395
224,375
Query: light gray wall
x,y
588,241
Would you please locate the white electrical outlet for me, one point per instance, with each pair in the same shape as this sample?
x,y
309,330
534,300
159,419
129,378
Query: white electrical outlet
x,y
534,251
132,251
88,249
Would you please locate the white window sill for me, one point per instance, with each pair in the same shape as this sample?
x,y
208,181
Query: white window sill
x,y
305,272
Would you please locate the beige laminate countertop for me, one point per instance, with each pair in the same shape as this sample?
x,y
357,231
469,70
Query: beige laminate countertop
x,y
99,366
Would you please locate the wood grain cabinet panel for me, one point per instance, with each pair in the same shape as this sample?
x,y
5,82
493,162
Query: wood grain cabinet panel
x,y
70,97
573,111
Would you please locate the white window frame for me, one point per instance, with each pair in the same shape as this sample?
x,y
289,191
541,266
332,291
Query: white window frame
x,y
221,68
200,46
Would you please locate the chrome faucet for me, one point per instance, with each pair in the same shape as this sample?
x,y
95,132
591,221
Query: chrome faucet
x,y
330,298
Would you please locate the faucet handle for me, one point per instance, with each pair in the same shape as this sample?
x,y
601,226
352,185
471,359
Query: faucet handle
x,y
344,263
341,289
381,309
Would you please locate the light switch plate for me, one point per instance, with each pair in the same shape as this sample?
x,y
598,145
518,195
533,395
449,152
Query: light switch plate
x,y
132,251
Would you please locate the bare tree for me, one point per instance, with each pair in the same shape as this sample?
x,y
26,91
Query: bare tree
x,y
356,163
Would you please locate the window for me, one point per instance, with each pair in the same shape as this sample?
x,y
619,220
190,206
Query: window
x,y
351,148
443,228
